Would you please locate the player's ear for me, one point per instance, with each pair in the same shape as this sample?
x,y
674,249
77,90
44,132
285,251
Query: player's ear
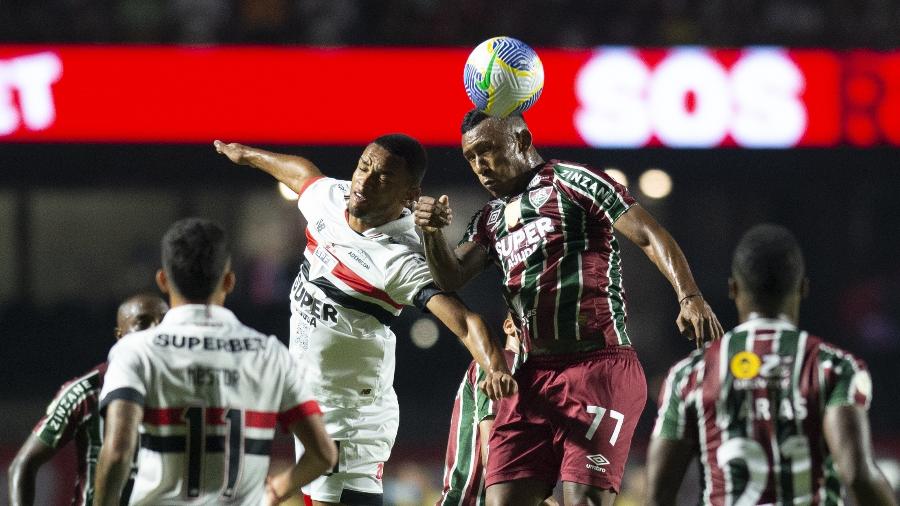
x,y
523,140
509,328
162,281
229,281
732,289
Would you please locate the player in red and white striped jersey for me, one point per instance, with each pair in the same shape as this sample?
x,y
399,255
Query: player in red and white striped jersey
x,y
206,393
775,414
363,263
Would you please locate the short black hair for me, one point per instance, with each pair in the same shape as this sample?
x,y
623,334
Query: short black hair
x,y
409,149
769,262
474,118
194,256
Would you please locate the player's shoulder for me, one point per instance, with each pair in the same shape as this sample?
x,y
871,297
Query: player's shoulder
x,y
135,342
92,379
830,354
694,360
324,191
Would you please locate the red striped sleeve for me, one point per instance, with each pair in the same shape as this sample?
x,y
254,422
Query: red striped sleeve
x,y
306,184
298,412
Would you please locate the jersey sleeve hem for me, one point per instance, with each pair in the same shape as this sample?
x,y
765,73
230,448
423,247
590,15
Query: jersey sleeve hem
x,y
298,412
306,184
125,394
425,294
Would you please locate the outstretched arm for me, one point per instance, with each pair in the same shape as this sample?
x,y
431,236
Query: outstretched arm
x,y
474,334
119,444
846,431
450,269
294,171
696,319
23,470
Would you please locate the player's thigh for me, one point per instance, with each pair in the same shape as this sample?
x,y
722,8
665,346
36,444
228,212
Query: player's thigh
x,y
579,494
604,401
522,440
522,492
364,438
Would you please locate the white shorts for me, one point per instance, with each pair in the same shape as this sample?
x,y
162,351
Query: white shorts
x,y
364,437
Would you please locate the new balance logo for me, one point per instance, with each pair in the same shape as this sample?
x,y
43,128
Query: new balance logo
x,y
596,463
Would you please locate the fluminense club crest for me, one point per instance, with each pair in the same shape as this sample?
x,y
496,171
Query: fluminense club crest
x,y
539,196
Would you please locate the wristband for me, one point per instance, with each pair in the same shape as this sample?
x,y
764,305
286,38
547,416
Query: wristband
x,y
686,297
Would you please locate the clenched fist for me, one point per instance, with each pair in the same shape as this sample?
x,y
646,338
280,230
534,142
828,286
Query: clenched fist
x,y
433,214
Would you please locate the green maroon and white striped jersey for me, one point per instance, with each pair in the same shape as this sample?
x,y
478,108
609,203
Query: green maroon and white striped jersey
x,y
554,243
213,391
463,467
350,288
74,415
754,403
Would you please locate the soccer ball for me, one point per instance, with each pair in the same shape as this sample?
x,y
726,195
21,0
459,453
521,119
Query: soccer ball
x,y
503,75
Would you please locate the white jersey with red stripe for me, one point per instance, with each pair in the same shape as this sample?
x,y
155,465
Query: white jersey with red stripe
x,y
213,391
350,288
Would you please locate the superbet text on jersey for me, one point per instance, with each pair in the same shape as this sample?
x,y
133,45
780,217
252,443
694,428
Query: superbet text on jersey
x,y
350,288
213,391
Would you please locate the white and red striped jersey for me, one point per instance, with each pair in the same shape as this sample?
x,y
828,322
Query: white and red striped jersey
x,y
350,288
213,391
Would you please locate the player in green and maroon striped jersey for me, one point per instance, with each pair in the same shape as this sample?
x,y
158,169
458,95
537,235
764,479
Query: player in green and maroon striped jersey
x,y
776,415
73,415
550,230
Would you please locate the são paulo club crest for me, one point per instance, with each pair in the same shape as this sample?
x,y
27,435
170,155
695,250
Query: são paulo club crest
x,y
539,196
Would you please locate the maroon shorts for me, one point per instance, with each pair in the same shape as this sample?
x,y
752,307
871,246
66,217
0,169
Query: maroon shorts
x,y
572,419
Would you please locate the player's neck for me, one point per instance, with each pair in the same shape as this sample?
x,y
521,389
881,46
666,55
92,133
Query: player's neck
x,y
534,162
784,311
360,225
176,299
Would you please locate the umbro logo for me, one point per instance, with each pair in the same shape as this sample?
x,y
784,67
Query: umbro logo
x,y
597,462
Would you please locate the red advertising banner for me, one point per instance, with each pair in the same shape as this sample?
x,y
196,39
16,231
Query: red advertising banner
x,y
690,97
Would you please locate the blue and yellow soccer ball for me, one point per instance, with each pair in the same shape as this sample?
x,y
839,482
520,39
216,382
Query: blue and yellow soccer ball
x,y
503,75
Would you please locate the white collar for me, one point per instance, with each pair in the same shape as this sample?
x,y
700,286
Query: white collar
x,y
199,313
404,223
755,320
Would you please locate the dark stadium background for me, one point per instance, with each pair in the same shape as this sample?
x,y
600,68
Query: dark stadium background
x,y
80,223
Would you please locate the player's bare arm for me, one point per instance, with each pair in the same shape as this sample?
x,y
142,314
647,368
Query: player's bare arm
x,y
119,444
474,334
696,319
847,434
667,462
451,269
293,171
23,470
320,455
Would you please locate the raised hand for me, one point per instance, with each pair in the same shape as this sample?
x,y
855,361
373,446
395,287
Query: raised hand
x,y
697,321
234,151
433,214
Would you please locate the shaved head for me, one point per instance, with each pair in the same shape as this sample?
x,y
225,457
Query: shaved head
x,y
139,312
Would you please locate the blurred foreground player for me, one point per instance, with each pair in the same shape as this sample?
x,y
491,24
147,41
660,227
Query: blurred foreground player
x,y
776,415
470,426
550,229
363,263
74,415
206,393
